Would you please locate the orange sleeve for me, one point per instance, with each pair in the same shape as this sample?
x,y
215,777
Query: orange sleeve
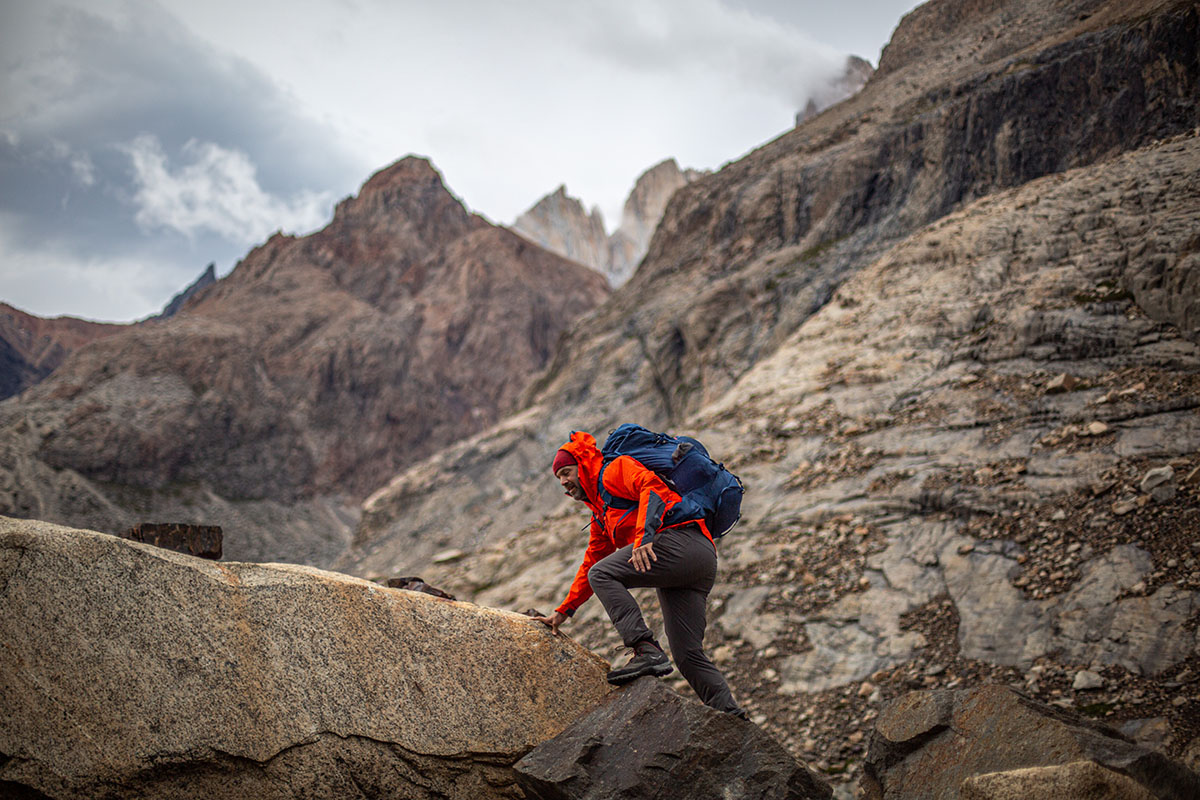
x,y
628,478
599,545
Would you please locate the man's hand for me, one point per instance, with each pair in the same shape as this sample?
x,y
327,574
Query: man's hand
x,y
553,621
642,556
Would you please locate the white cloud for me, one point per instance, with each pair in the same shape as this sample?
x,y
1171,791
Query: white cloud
x,y
214,189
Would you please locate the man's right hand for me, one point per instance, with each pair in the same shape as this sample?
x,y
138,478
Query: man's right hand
x,y
553,621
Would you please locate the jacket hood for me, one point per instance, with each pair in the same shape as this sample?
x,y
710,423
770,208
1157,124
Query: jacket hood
x,y
582,445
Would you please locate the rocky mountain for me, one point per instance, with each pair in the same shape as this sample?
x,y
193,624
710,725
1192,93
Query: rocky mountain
x,y
559,223
947,332
32,347
854,76
643,210
296,384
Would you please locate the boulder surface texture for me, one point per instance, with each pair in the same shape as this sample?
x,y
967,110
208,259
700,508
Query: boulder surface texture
x,y
646,741
132,671
931,745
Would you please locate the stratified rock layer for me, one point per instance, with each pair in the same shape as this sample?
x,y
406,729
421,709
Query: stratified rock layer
x,y
926,744
132,671
649,742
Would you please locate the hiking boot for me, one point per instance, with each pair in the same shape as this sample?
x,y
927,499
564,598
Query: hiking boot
x,y
647,659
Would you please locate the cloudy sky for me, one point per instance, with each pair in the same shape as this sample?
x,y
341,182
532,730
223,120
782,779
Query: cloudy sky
x,y
141,140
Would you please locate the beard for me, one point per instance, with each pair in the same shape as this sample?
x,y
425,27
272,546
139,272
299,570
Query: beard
x,y
575,492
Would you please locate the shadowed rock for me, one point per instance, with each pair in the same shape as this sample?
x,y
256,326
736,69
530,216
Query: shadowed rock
x,y
132,671
927,743
647,741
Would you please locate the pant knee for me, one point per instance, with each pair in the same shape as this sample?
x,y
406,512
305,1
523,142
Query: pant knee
x,y
597,575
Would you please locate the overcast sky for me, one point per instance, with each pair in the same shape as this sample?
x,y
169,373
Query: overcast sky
x,y
141,140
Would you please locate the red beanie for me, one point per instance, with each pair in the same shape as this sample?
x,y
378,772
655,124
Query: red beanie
x,y
563,459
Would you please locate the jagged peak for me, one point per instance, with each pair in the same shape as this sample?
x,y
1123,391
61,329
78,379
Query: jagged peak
x,y
408,171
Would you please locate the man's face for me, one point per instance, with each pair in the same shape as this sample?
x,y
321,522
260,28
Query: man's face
x,y
568,476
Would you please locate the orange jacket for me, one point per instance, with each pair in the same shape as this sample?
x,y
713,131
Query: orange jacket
x,y
613,528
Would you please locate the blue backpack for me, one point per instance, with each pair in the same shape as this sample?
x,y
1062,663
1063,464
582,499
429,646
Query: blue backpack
x,y
709,491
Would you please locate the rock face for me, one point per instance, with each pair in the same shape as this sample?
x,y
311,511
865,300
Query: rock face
x,y
32,347
927,744
639,219
648,742
297,384
231,680
559,223
206,279
853,77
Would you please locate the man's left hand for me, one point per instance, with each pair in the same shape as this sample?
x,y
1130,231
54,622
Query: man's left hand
x,y
642,556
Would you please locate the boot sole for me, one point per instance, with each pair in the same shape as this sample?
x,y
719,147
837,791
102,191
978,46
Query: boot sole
x,y
657,671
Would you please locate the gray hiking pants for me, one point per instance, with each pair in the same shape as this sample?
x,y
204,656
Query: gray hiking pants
x,y
683,575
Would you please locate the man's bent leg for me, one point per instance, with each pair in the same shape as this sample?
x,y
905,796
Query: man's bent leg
x,y
685,622
610,579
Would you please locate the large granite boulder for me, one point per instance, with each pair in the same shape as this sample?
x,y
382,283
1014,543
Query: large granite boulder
x,y
128,670
648,742
936,745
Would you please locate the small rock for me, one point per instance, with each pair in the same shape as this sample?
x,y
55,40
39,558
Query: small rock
x,y
770,652
448,556
1193,477
866,689
1161,494
965,548
722,654
1059,516
1100,487
1085,680
1062,383
1123,507
935,669
1178,701
1156,477
1097,428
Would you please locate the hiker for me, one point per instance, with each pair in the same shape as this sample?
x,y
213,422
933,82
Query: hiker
x,y
633,547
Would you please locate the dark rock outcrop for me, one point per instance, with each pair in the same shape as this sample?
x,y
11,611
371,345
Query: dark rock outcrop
x,y
926,744
133,671
206,279
202,541
648,742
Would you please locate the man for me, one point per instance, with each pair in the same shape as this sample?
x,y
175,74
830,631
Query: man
x,y
642,546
